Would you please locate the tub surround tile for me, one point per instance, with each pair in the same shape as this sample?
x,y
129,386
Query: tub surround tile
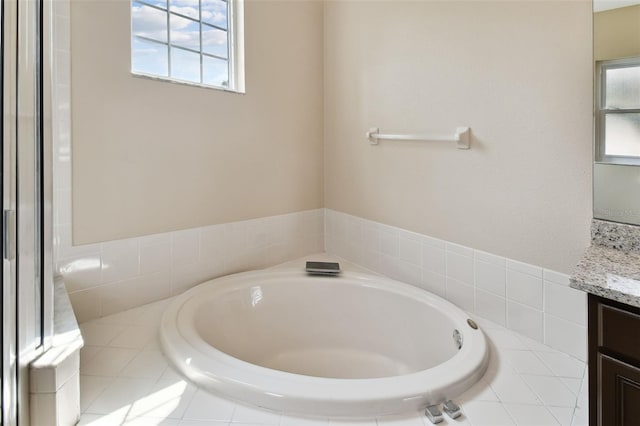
x,y
525,320
524,288
114,276
566,336
491,307
460,267
490,277
509,292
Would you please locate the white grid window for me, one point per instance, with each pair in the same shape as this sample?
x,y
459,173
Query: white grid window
x,y
191,41
618,111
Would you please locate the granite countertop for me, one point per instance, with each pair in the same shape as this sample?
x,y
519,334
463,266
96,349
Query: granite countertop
x,y
610,268
609,273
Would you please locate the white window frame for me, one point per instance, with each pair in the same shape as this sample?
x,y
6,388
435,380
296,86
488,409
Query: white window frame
x,y
601,112
235,34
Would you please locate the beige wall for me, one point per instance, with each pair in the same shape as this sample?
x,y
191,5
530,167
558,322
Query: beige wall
x,y
152,157
518,73
616,33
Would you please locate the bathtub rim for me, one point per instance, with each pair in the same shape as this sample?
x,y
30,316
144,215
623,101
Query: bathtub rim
x,y
310,395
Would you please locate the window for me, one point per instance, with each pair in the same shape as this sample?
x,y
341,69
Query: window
x,y
191,41
618,111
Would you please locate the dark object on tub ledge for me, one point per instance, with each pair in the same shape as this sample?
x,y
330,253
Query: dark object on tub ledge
x,y
323,268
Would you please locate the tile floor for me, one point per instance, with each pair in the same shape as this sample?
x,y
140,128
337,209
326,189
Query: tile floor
x,y
125,379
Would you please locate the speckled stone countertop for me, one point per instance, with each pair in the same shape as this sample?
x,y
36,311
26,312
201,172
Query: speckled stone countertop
x,y
610,268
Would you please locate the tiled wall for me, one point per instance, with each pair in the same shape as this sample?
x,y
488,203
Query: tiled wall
x,y
117,275
531,300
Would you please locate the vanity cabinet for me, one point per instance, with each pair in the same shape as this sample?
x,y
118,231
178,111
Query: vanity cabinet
x,y
614,363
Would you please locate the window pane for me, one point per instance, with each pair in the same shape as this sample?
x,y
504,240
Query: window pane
x,y
185,7
623,87
185,65
149,57
157,3
215,12
214,41
215,71
185,32
148,22
622,134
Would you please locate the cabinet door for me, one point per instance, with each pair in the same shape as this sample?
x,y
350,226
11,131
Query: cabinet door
x,y
619,394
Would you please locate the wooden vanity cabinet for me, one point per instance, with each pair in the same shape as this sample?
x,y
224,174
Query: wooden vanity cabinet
x,y
614,363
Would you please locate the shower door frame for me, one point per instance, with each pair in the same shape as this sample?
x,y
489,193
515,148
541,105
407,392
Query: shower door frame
x,y
27,278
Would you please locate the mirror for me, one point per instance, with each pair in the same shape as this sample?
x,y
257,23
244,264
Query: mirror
x,y
616,51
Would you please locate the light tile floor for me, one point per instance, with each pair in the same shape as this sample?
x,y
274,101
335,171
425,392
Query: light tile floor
x,y
125,379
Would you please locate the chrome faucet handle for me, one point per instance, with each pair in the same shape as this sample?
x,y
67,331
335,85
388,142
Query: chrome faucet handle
x,y
452,409
433,413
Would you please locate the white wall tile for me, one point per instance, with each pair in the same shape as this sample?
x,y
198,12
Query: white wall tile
x,y
155,256
435,283
371,236
459,249
434,259
499,282
370,259
68,397
120,260
490,277
257,234
135,271
491,307
86,304
525,268
566,336
212,243
43,408
525,320
185,246
434,242
461,294
524,288
555,277
389,242
565,302
410,250
460,267
81,272
490,258
354,230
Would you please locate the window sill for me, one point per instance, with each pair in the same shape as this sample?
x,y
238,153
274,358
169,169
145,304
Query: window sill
x,y
188,83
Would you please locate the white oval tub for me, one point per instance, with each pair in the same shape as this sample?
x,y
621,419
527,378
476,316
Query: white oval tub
x,y
349,346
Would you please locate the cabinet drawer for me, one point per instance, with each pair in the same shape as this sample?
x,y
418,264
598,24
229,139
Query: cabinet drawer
x,y
619,331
